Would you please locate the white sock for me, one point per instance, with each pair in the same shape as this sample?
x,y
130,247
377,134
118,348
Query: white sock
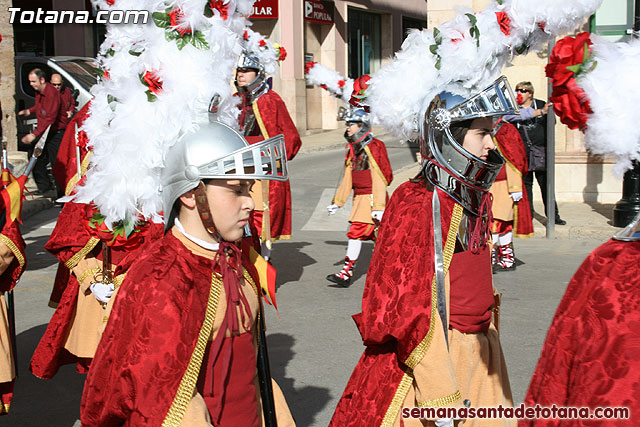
x,y
506,238
264,251
494,237
353,249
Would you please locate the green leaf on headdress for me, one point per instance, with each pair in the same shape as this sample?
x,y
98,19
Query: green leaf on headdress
x,y
134,53
438,63
433,49
574,68
110,52
150,96
199,41
161,19
472,18
183,41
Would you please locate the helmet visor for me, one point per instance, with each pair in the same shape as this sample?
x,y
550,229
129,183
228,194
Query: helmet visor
x,y
496,100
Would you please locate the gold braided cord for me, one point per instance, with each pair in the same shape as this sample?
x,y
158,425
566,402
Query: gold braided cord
x,y
74,260
397,401
375,166
188,383
421,349
117,282
74,179
89,273
249,279
256,113
441,401
14,248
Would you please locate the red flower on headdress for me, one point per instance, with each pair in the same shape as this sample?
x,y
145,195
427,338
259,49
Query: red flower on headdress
x,y
341,83
111,2
82,140
361,84
504,22
176,16
282,53
222,8
245,36
542,25
116,238
106,75
569,59
153,81
262,43
308,66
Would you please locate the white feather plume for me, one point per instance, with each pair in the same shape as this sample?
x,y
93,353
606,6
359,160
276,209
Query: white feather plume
x,y
255,44
464,55
613,91
331,80
130,135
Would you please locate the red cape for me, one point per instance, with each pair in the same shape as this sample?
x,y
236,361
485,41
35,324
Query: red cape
x,y
396,303
65,167
512,149
69,237
273,119
149,339
590,356
379,153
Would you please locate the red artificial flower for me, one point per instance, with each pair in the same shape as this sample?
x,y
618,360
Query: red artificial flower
x,y
111,2
153,82
262,43
222,8
176,16
282,54
116,238
567,58
542,25
82,140
106,75
504,22
360,85
323,86
341,83
308,66
245,35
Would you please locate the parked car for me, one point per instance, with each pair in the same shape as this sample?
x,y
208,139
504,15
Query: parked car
x,y
78,74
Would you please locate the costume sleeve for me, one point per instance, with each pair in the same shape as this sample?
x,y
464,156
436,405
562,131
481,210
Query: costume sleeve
x,y
51,104
379,189
346,185
13,259
288,128
525,114
381,173
514,179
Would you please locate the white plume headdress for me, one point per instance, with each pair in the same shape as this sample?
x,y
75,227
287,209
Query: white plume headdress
x,y
330,80
264,50
158,81
465,55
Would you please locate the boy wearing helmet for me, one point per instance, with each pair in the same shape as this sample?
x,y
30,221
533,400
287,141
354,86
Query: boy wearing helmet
x,y
180,345
367,173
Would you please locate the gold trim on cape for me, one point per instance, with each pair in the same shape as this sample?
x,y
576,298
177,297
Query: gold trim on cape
x,y
421,349
188,383
74,179
374,165
74,260
14,248
441,401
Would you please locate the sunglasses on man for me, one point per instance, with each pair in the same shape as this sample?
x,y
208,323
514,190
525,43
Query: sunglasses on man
x,y
523,90
56,84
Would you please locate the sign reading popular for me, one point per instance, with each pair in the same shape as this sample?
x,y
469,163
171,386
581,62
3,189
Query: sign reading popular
x,y
318,11
265,9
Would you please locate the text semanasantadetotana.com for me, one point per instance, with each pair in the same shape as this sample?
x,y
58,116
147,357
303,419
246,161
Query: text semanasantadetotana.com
x,y
522,411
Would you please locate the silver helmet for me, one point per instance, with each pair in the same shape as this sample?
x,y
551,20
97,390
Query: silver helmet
x,y
446,164
216,151
356,115
259,84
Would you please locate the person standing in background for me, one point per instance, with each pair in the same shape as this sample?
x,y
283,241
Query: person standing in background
x,y
532,125
68,103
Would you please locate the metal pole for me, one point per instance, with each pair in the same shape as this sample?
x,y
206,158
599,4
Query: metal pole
x,y
551,161
629,205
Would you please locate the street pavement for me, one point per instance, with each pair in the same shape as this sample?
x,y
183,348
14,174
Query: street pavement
x,y
313,342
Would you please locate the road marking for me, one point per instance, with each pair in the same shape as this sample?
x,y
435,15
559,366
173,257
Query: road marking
x,y
50,224
321,220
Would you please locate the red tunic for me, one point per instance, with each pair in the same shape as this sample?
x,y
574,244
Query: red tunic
x,y
48,110
12,237
140,364
590,356
512,149
396,303
65,171
70,237
272,118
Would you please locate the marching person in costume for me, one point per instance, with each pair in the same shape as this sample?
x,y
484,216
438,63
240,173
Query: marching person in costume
x,y
263,115
429,309
367,172
590,355
202,370
12,265
510,207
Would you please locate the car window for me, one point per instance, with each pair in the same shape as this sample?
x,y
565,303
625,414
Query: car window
x,y
24,76
81,70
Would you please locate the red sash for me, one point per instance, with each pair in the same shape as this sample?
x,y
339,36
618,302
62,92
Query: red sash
x,y
361,181
471,294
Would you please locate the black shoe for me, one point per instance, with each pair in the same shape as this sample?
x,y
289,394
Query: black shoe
x,y
343,283
560,221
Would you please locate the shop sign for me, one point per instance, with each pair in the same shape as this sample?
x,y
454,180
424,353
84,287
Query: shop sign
x,y
318,11
265,9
